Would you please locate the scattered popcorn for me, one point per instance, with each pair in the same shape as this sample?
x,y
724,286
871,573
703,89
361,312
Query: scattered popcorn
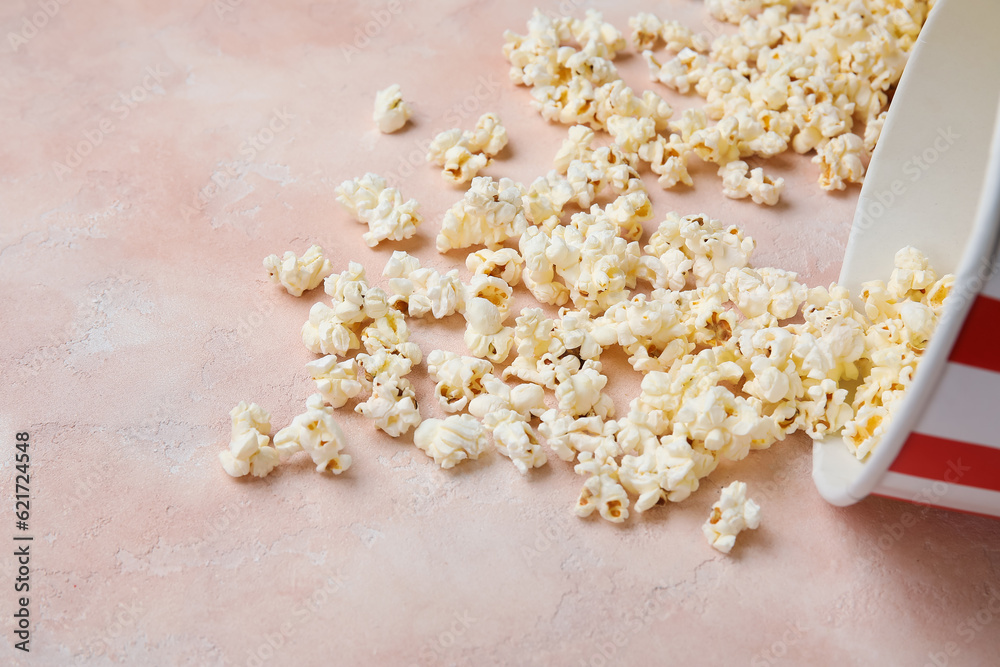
x,y
298,274
249,451
451,441
382,208
391,112
726,371
733,514
317,433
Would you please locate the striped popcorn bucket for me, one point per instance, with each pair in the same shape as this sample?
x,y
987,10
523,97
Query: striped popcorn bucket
x,y
934,183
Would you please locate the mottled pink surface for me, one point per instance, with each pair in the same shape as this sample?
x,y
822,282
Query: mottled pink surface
x,y
136,314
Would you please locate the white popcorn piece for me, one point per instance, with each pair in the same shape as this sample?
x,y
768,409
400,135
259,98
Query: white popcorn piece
x,y
731,515
382,208
494,290
485,334
667,159
459,379
347,291
739,181
298,274
503,263
391,112
391,334
325,333
516,439
317,433
765,290
464,154
423,290
249,451
697,246
490,213
580,394
337,382
568,436
392,405
681,72
452,440
602,490
840,161
630,132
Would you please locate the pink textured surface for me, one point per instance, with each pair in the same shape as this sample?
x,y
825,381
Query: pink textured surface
x,y
136,314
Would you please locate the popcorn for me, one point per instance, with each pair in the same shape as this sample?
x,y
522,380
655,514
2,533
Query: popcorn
x,y
680,72
516,440
337,382
298,274
568,436
629,132
602,491
526,400
391,334
317,433
451,441
423,290
490,213
738,184
731,515
494,290
391,112
580,394
485,334
668,158
459,379
249,451
765,290
646,29
325,333
464,154
382,208
698,246
392,405
840,161
503,263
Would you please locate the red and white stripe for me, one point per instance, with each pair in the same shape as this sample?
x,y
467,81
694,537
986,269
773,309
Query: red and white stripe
x,y
952,457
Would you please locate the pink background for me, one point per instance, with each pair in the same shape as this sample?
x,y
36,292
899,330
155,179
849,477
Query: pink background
x,y
136,314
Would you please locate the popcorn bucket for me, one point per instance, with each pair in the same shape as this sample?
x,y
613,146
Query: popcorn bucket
x,y
934,183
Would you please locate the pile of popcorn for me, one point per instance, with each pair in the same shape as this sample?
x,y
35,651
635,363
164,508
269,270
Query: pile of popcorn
x,y
733,358
812,76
